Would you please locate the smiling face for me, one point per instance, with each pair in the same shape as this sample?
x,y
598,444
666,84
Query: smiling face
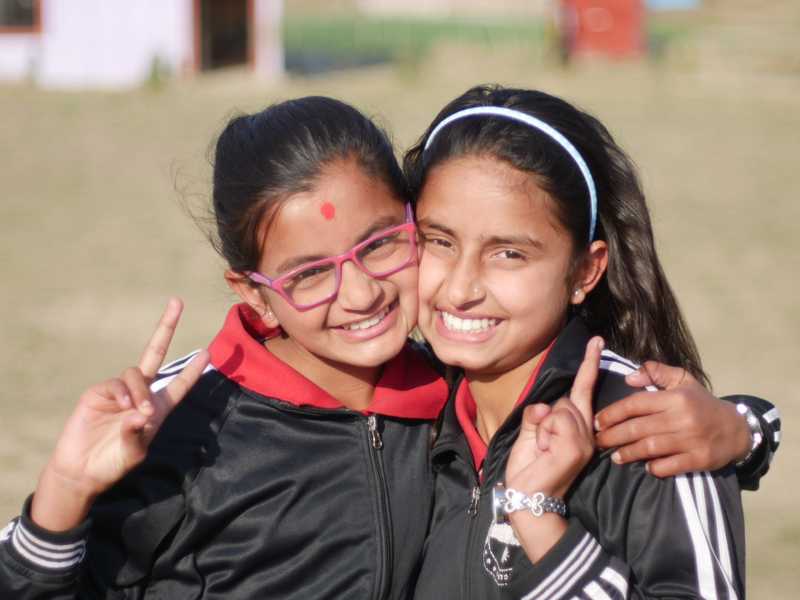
x,y
368,321
495,270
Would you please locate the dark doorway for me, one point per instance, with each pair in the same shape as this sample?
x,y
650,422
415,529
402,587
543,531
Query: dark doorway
x,y
223,33
19,15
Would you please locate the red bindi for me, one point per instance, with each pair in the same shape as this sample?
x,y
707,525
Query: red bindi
x,y
328,210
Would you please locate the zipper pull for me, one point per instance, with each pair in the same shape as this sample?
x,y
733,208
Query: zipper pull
x,y
372,425
473,504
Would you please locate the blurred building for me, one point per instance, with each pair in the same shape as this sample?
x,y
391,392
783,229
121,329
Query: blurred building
x,y
613,28
122,43
456,8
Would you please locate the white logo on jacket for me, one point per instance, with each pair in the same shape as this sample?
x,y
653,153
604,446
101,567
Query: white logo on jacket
x,y
499,550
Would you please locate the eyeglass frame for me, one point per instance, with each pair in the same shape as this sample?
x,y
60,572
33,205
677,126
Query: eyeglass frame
x,y
276,284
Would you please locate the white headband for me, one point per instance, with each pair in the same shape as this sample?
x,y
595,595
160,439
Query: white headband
x,y
516,115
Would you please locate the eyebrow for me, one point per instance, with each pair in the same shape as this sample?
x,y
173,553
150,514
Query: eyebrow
x,y
515,240
495,240
377,225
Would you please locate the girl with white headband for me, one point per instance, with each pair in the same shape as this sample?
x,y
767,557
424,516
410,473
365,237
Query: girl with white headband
x,y
537,244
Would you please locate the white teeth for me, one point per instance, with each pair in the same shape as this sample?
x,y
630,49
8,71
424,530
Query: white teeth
x,y
454,323
367,323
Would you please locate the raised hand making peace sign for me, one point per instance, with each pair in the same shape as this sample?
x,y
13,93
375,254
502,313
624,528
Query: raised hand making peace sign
x,y
110,430
554,445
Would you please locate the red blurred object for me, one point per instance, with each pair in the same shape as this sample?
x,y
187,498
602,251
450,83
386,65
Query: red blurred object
x,y
608,27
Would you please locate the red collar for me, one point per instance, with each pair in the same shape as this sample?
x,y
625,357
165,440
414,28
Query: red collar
x,y
408,388
467,412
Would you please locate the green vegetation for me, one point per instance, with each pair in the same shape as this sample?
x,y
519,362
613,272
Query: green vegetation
x,y
347,39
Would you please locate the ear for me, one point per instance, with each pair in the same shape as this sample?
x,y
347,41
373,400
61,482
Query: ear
x,y
252,295
589,272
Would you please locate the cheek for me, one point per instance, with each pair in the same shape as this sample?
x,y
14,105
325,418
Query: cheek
x,y
539,294
432,275
406,282
295,323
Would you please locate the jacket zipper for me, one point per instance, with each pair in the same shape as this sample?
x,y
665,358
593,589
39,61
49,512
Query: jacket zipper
x,y
384,578
472,511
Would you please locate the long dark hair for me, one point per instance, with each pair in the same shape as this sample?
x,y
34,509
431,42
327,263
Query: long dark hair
x,y
633,306
261,159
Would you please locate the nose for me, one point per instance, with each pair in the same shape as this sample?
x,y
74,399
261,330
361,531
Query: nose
x,y
464,285
358,291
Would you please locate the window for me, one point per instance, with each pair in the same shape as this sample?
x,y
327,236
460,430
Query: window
x,y
19,16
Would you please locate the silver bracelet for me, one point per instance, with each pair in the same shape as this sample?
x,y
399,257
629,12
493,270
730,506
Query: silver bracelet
x,y
756,433
509,500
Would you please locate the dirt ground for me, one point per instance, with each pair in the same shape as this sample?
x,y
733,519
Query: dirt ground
x,y
95,236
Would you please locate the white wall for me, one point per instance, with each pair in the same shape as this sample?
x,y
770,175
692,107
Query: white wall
x,y
112,43
19,55
267,40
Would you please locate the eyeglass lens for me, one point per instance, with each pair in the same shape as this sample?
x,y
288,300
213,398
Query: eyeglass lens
x,y
382,255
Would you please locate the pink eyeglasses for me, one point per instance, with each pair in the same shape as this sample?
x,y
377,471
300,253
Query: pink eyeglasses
x,y
318,282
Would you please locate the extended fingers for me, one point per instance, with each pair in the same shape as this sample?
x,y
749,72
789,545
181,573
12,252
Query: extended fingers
x,y
583,429
582,390
185,380
158,346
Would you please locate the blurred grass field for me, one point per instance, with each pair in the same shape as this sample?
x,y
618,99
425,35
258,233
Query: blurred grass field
x,y
95,237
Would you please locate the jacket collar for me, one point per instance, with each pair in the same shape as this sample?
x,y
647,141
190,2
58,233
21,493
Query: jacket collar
x,y
408,387
554,378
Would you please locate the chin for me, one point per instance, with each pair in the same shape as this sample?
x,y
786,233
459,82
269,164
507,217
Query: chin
x,y
375,355
464,360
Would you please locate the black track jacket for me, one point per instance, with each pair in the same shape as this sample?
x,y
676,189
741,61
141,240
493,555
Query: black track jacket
x,y
630,535
258,486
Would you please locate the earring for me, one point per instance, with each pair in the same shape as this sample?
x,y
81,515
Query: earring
x,y
578,296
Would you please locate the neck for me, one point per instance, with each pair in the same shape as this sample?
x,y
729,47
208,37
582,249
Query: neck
x,y
496,395
352,386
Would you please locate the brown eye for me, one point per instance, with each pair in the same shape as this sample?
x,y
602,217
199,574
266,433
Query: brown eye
x,y
511,255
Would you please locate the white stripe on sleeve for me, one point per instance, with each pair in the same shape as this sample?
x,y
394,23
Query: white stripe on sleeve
x,y
160,384
595,592
585,541
578,573
702,554
615,579
44,554
700,500
772,415
723,549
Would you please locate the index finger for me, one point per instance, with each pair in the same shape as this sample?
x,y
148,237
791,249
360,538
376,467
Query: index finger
x,y
185,380
583,387
156,349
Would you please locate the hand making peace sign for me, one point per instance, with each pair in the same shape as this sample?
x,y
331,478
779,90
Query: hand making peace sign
x,y
109,431
555,443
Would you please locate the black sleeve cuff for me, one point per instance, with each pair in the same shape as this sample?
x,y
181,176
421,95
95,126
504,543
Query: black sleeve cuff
x,y
749,473
45,551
